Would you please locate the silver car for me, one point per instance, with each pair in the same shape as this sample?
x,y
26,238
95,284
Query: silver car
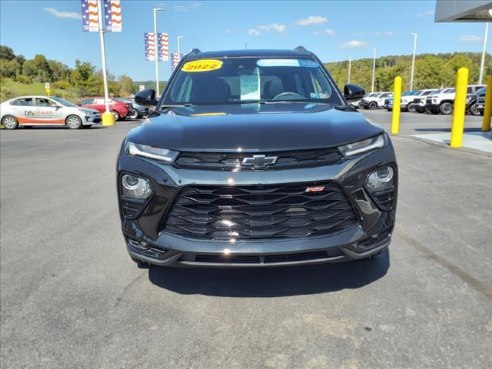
x,y
46,111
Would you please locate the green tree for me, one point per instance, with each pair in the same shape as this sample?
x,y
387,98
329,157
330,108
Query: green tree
x,y
127,86
10,68
6,53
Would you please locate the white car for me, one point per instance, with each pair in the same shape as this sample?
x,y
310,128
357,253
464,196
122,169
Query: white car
x,y
46,111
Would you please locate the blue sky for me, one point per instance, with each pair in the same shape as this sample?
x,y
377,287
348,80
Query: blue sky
x,y
334,30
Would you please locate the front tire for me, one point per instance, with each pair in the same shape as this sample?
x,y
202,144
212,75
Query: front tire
x,y
474,110
73,122
446,108
133,115
373,105
10,122
411,108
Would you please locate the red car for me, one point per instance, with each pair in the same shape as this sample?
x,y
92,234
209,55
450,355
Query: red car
x,y
119,109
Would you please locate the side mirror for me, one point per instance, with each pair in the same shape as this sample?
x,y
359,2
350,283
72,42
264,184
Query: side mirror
x,y
146,98
353,92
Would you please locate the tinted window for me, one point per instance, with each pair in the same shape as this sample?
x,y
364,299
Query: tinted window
x,y
251,79
41,101
87,102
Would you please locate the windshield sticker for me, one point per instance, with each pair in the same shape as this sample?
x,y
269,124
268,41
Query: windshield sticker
x,y
205,65
278,63
250,86
320,95
308,63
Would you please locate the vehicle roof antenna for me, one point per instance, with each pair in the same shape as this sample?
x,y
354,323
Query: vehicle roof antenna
x,y
195,51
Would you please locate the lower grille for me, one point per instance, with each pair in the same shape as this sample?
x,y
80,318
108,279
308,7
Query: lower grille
x,y
260,212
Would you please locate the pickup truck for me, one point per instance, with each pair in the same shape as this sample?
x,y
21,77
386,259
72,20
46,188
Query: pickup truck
x,y
417,101
443,101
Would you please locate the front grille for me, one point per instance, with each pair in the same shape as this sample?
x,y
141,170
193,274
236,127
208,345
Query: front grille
x,y
233,161
417,101
260,212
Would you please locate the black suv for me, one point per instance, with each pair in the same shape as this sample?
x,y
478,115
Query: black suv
x,y
253,158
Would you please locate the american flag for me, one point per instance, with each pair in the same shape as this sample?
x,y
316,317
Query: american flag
x,y
163,41
149,46
90,16
112,18
175,58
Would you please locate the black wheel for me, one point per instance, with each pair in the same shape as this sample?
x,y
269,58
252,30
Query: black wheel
x,y
446,108
116,115
390,109
420,109
373,105
411,108
10,122
474,109
73,122
133,115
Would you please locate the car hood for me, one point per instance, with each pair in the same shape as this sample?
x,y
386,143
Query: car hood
x,y
253,127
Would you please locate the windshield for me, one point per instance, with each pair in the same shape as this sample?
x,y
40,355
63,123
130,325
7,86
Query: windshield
x,y
64,102
250,80
408,93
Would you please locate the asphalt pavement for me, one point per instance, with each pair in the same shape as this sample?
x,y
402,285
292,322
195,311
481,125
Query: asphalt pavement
x,y
72,298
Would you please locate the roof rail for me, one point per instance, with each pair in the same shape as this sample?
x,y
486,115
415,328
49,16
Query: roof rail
x,y
301,49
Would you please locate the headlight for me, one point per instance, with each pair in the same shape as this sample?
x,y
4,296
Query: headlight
x,y
363,146
135,187
156,153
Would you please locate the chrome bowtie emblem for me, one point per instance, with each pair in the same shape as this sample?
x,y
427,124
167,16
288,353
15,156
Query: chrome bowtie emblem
x,y
259,161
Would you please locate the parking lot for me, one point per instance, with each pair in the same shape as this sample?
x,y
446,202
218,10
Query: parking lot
x,y
72,298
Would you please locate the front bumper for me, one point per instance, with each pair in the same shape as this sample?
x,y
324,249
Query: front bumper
x,y
147,241
92,119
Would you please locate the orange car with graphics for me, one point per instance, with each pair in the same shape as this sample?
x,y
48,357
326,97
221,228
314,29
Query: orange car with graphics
x,y
46,111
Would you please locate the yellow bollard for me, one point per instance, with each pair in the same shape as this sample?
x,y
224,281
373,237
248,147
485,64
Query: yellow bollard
x,y
107,119
395,120
459,108
488,106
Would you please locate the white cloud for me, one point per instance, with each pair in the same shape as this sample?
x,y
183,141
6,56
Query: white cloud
x,y
279,28
313,19
384,33
325,32
353,44
61,14
427,13
470,38
180,8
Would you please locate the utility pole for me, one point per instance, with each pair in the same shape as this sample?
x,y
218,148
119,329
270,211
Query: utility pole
x,y
349,70
482,63
413,59
179,48
373,70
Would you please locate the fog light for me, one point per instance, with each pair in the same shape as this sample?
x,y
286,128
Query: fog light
x,y
380,179
135,187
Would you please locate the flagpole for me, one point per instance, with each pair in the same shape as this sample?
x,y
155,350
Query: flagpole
x,y
107,117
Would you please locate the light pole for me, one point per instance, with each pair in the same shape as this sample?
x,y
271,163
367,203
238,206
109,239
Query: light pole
x,y
482,63
156,51
107,117
373,70
349,70
179,48
413,59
